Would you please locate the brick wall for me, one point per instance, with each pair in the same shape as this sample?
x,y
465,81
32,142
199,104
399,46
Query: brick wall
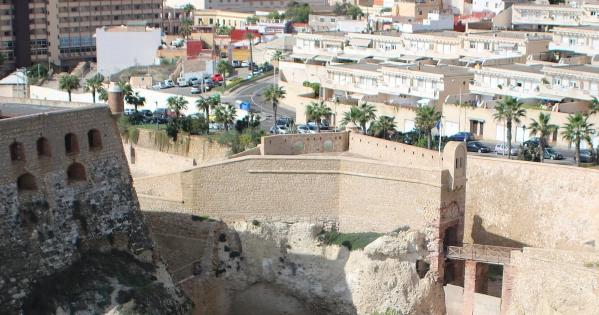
x,y
304,143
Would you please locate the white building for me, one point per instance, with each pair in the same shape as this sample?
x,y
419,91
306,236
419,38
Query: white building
x,y
121,47
434,22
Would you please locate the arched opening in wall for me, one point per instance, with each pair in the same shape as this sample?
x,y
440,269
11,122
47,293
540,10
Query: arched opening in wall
x,y
94,139
76,173
71,144
17,151
26,182
422,268
43,147
453,270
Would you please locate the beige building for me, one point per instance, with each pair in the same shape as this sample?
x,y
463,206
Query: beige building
x,y
572,81
516,80
418,9
543,17
221,17
583,40
325,22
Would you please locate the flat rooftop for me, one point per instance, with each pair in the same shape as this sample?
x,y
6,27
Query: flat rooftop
x,y
536,69
511,35
443,70
358,66
10,110
128,28
578,68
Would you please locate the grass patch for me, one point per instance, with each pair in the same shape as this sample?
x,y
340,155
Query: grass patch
x,y
352,241
200,218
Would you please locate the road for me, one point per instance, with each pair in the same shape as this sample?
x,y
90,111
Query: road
x,y
568,154
253,93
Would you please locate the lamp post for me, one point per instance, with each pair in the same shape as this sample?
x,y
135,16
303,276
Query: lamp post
x,y
335,115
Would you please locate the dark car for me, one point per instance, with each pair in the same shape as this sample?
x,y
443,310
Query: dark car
x,y
475,146
586,156
411,137
461,136
551,154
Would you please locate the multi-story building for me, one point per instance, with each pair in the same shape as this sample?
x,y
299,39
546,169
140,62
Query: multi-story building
x,y
583,40
509,46
573,81
221,17
417,9
516,80
61,31
543,17
250,6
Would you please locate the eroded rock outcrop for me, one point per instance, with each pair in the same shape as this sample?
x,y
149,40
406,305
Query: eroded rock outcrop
x,y
259,258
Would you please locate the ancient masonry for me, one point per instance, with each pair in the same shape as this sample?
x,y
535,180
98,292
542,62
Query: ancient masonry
x,y
65,189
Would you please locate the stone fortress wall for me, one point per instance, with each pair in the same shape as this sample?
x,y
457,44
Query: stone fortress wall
x,y
65,185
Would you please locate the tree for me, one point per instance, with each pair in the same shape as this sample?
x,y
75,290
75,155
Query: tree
x,y
188,8
426,119
177,104
186,28
125,88
225,114
367,115
576,130
351,117
37,71
93,84
274,15
225,68
274,94
509,110
383,125
68,82
543,128
315,86
594,109
252,19
316,111
250,37
136,100
298,12
354,11
102,94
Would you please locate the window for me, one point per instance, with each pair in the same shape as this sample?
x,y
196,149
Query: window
x,y
486,46
94,139
17,151
71,144
76,172
43,147
472,45
26,182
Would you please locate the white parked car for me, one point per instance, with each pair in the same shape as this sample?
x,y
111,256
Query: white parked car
x,y
503,149
182,82
306,129
280,129
129,111
169,83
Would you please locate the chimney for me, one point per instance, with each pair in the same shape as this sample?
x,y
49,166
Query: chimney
x,y
116,103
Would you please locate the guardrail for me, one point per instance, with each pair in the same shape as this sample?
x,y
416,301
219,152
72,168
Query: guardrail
x,y
496,255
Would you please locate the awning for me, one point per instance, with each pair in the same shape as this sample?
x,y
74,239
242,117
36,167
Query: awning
x,y
351,57
323,58
550,97
302,56
476,119
360,42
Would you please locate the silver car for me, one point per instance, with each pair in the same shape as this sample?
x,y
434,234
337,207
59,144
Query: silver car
x,y
503,149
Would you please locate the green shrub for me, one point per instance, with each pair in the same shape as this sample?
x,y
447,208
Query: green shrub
x,y
200,218
351,241
256,222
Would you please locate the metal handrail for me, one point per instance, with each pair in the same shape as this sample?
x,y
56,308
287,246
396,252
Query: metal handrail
x,y
483,253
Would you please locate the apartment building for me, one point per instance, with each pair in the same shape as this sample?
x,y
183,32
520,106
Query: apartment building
x,y
221,17
325,22
572,81
322,47
441,45
417,9
248,6
511,46
396,84
516,80
582,39
544,17
61,31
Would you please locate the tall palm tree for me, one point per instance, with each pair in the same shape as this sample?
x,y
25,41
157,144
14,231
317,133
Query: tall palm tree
x,y
136,100
68,82
509,110
543,128
225,114
204,104
383,125
316,111
367,115
594,106
274,94
351,117
426,119
224,68
576,130
93,84
186,28
177,104
250,37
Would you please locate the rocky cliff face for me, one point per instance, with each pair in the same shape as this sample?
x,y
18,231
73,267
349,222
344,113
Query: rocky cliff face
x,y
79,247
267,268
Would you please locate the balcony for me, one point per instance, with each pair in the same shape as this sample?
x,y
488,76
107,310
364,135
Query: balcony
x,y
569,92
412,91
351,87
513,91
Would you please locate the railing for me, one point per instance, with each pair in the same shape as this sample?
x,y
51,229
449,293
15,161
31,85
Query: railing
x,y
497,255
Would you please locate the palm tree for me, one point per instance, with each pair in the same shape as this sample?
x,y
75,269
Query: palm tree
x,y
576,130
186,28
367,114
250,37
383,125
225,114
509,110
426,119
316,111
125,87
68,82
177,104
204,104
225,68
135,100
594,106
273,94
543,128
102,94
351,117
93,84
188,8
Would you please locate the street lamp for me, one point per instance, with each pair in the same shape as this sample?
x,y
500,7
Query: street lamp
x,y
335,114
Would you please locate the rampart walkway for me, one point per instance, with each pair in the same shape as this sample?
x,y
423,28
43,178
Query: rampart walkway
x,y
496,255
